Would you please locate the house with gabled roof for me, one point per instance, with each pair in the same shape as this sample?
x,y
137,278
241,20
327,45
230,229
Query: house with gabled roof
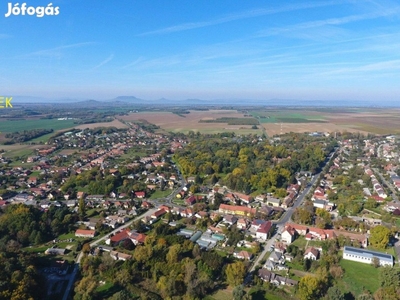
x,y
311,253
243,255
264,230
237,210
85,233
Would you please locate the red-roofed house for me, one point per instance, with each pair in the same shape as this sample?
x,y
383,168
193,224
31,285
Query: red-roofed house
x,y
85,233
237,210
191,200
158,214
264,230
243,255
311,253
140,194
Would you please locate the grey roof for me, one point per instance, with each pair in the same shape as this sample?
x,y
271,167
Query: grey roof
x,y
368,253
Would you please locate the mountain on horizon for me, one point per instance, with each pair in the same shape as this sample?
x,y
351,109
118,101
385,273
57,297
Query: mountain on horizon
x,y
133,100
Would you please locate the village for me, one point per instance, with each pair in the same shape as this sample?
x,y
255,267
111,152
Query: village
x,y
272,234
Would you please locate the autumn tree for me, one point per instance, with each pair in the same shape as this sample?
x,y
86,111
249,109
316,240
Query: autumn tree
x,y
235,273
309,288
379,237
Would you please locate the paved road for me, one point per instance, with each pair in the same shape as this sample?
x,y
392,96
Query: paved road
x,y
388,184
280,225
287,216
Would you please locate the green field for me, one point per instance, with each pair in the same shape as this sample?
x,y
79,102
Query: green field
x,y
20,125
358,276
275,116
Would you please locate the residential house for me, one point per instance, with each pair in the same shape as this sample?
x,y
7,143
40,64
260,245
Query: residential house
x,y
264,230
288,235
230,219
191,200
140,194
273,201
237,210
243,255
311,253
242,223
120,256
157,214
273,278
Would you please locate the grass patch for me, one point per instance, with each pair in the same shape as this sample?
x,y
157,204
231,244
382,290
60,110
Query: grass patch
x,y
225,294
36,249
178,201
66,236
359,276
160,194
300,242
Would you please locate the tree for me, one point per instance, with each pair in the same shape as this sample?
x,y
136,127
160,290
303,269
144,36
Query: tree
x,y
238,292
235,273
389,276
309,287
82,208
86,248
379,237
375,262
334,293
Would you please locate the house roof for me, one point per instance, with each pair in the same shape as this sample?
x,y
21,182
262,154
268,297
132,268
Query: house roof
x,y
124,234
85,232
237,208
265,227
311,250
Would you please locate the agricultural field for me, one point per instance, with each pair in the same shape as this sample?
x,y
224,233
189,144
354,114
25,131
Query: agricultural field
x,y
115,123
20,125
201,121
275,121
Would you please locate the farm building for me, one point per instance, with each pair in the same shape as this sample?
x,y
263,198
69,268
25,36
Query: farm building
x,y
366,256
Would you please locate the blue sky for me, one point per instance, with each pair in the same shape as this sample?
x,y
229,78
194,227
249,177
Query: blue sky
x,y
314,50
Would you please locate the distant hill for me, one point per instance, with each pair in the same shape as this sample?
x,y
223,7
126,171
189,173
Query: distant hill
x,y
132,100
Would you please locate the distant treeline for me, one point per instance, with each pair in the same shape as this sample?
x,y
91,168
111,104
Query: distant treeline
x,y
26,135
181,112
233,121
95,120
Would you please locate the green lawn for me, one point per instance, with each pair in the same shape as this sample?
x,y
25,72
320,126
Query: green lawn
x,y
160,194
36,249
65,236
300,242
359,276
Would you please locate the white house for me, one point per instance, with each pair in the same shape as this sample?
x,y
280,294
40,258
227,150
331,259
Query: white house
x,y
311,253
